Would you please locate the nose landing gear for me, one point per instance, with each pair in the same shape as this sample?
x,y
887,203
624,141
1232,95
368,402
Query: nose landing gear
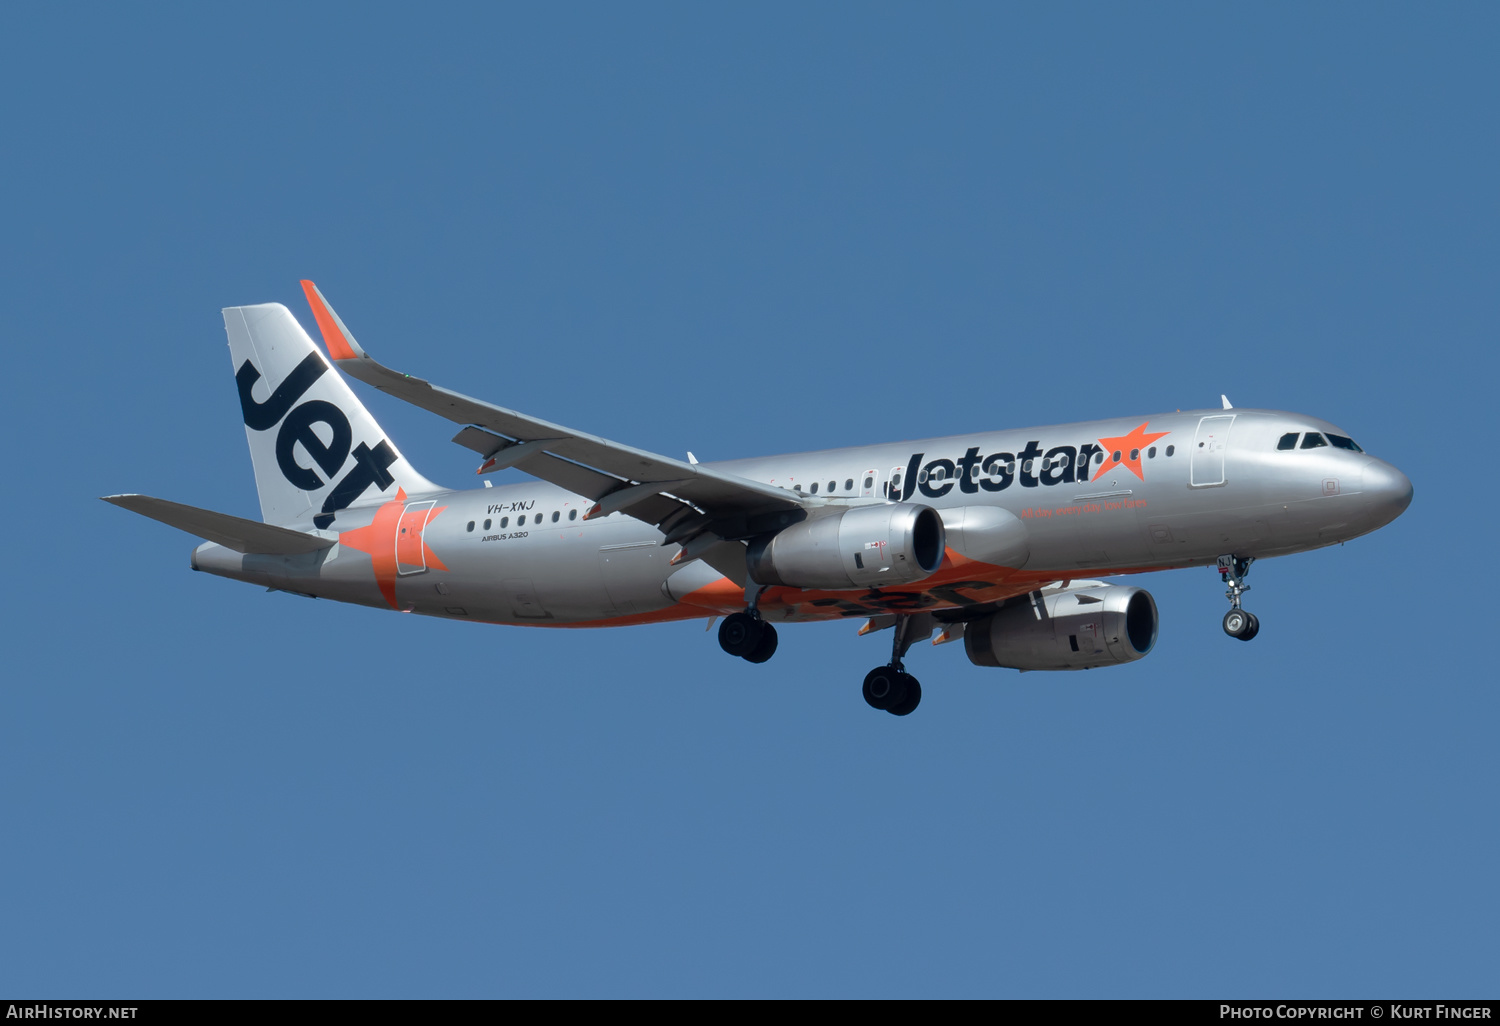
x,y
1238,623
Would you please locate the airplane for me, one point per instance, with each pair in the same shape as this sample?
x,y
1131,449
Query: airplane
x,y
996,539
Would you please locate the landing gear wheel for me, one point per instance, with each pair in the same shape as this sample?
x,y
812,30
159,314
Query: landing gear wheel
x,y
1240,624
766,647
1232,571
740,633
885,687
911,701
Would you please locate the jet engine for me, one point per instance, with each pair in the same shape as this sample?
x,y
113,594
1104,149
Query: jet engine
x,y
862,547
1076,628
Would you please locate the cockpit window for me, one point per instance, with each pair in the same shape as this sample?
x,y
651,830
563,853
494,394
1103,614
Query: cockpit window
x,y
1313,440
1344,442
1288,441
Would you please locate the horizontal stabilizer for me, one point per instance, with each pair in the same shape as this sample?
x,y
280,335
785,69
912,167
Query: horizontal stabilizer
x,y
235,533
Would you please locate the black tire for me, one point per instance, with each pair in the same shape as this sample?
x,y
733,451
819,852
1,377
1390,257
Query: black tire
x,y
1237,623
911,701
740,633
1253,630
884,687
766,647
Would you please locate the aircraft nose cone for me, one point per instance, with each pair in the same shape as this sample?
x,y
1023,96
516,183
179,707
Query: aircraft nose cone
x,y
1387,490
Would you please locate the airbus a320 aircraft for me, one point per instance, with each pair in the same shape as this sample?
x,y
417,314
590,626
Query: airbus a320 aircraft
x,y
990,538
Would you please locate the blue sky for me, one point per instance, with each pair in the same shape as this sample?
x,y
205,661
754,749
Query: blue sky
x,y
740,232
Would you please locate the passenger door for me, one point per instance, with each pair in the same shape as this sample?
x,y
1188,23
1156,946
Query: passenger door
x,y
411,554
1206,468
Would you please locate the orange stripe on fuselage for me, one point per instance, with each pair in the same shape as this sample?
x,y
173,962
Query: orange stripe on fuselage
x,y
716,599
960,581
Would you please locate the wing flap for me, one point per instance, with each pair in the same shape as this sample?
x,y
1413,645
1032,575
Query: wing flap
x,y
237,533
486,443
655,509
577,479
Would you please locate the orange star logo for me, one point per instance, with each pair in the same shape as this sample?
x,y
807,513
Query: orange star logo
x,y
394,535
1125,451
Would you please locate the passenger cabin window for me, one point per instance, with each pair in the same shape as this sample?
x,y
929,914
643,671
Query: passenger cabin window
x,y
572,514
1171,449
504,522
1151,453
1313,440
849,485
1343,442
1288,441
833,486
813,488
486,525
555,515
471,526
869,482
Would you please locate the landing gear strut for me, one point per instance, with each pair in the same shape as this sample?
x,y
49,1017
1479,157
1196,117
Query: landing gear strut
x,y
1238,623
891,688
745,634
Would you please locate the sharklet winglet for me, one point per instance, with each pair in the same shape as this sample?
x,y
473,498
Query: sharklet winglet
x,y
336,336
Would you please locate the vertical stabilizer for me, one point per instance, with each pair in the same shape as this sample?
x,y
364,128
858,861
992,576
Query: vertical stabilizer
x,y
315,447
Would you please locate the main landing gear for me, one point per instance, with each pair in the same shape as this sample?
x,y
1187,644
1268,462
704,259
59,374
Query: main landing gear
x,y
891,688
745,634
1237,622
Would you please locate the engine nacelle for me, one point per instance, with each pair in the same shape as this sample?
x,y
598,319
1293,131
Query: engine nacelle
x,y
1086,625
861,547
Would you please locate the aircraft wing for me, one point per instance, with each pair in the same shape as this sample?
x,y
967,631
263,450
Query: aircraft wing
x,y
235,533
683,499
